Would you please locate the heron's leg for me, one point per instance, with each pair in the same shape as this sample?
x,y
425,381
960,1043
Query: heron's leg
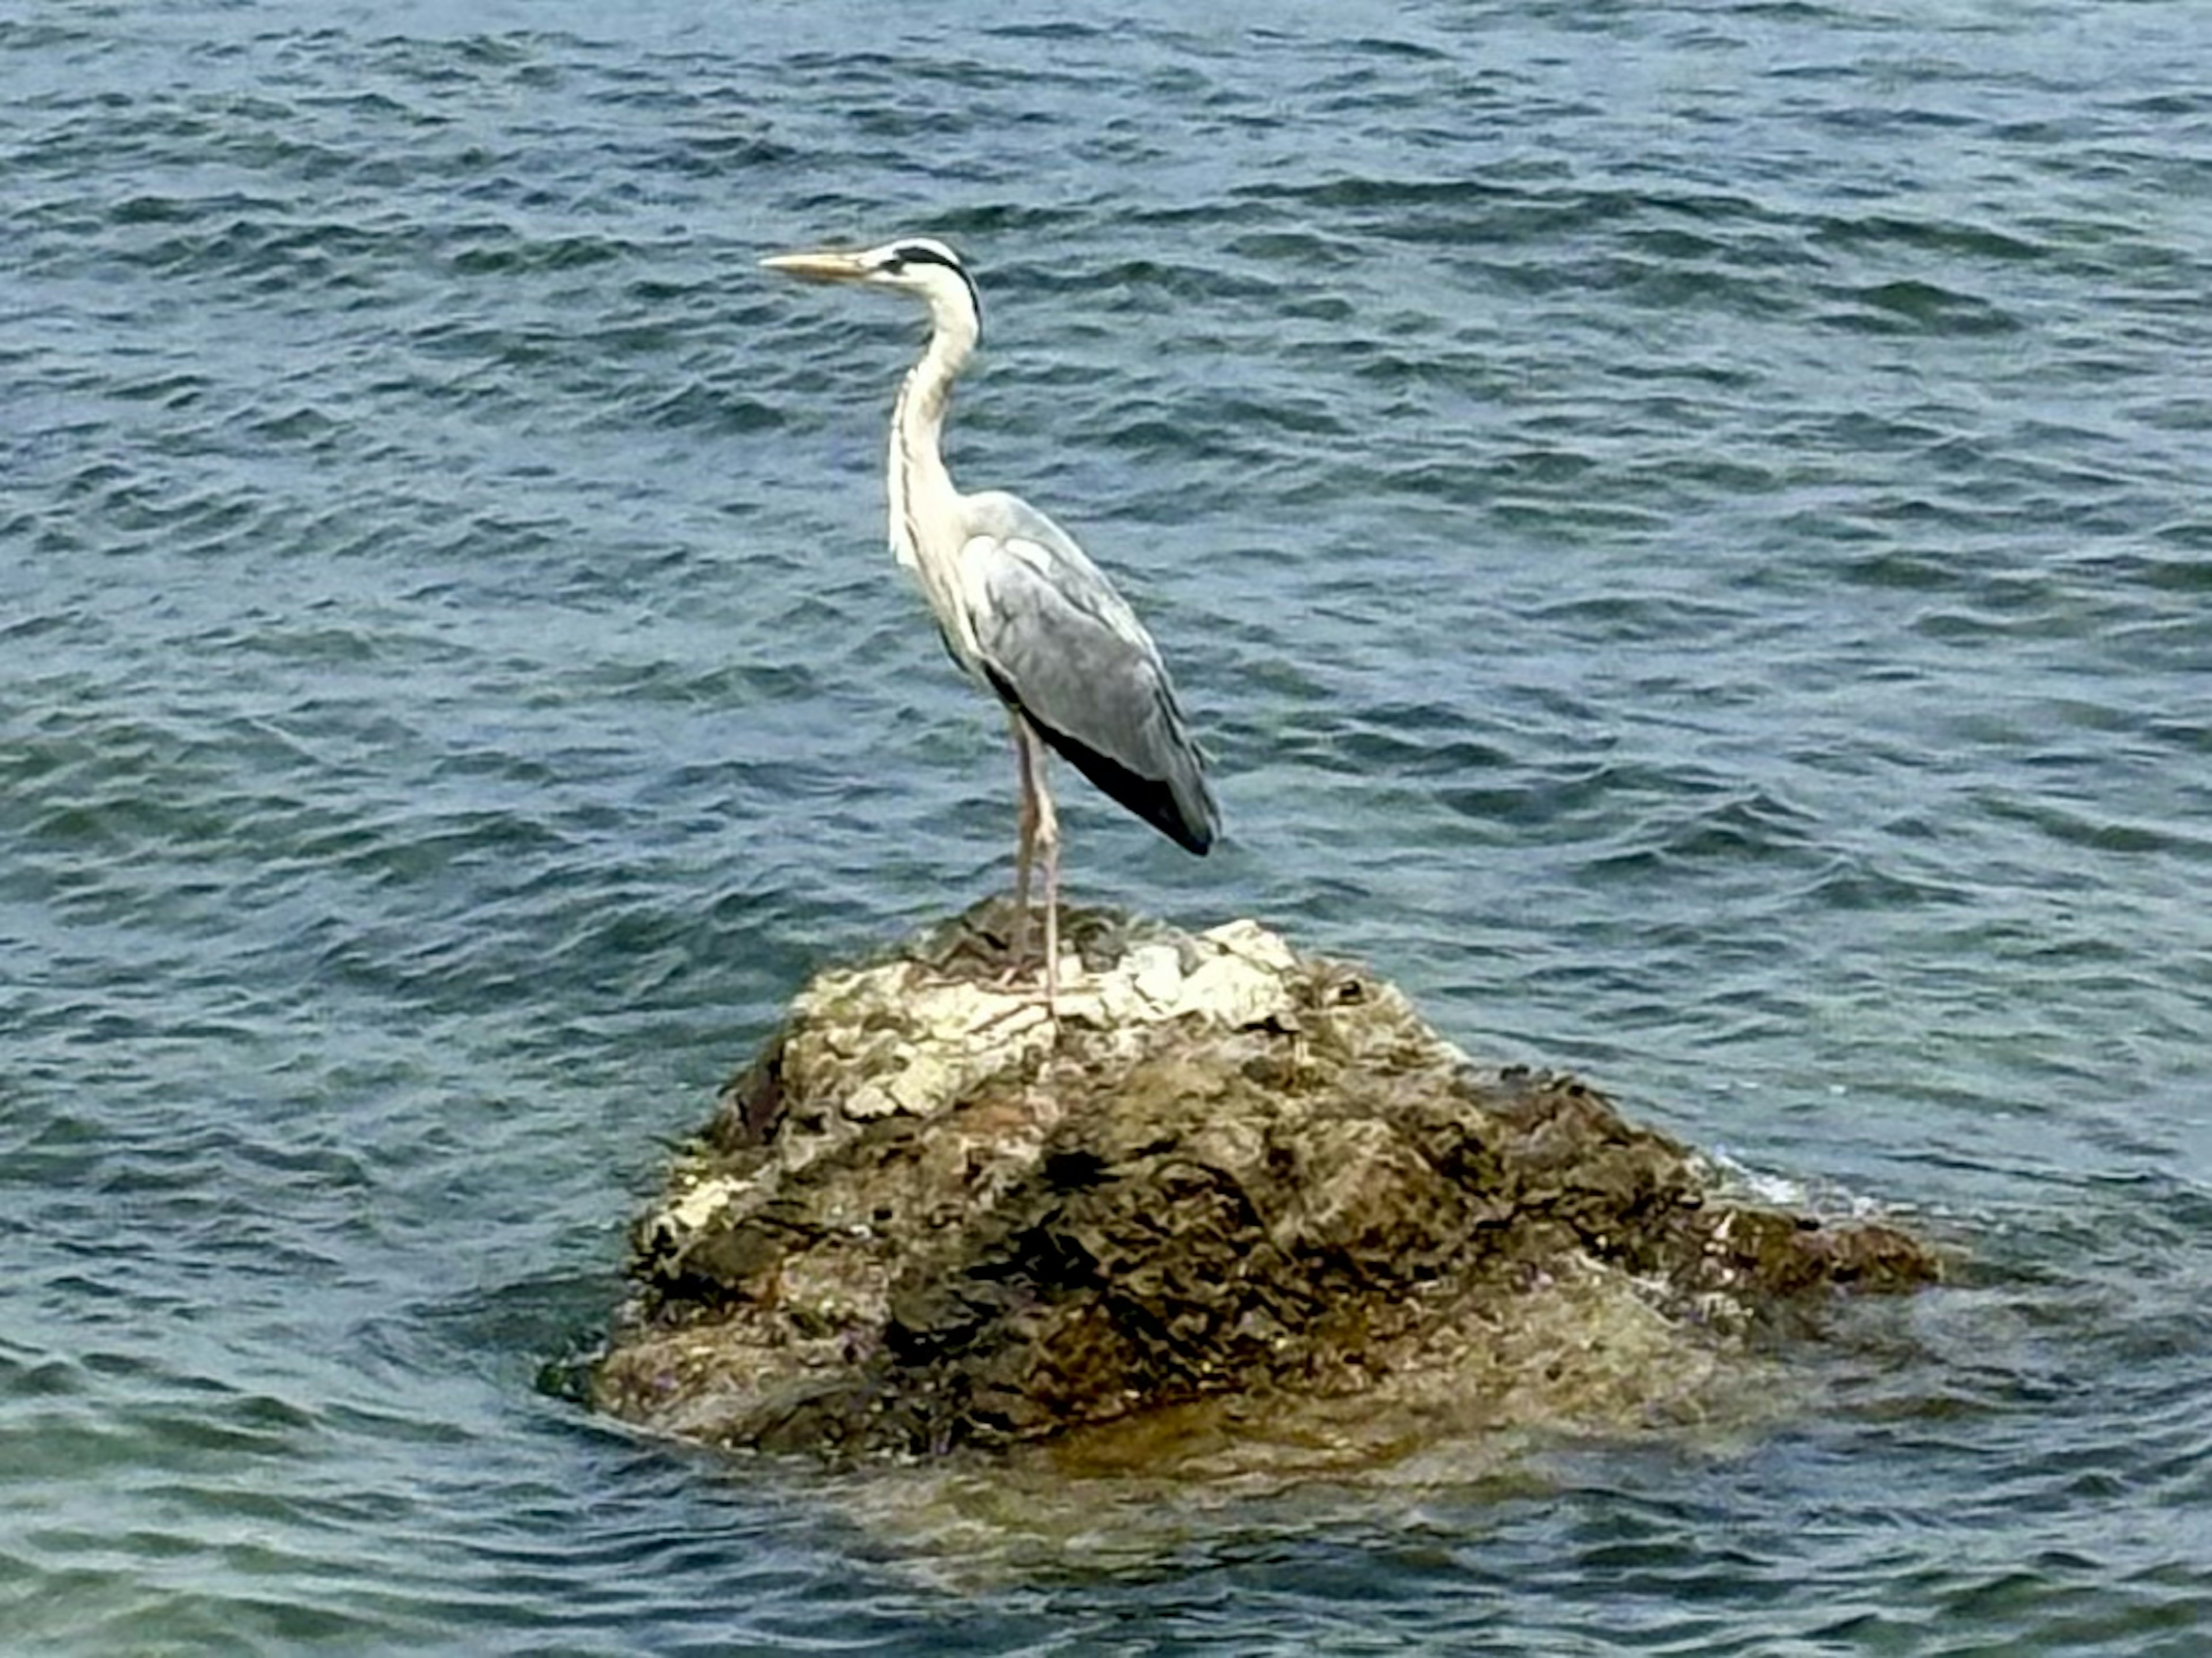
x,y
1039,832
1029,763
1047,835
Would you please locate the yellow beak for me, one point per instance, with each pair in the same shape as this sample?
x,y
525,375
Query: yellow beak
x,y
823,267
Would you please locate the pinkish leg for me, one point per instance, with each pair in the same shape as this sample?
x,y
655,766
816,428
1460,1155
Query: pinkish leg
x,y
1040,832
1025,842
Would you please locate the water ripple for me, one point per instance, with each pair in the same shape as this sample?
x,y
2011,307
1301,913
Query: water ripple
x,y
1677,520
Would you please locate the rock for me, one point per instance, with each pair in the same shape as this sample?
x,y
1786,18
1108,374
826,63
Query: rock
x,y
1238,1196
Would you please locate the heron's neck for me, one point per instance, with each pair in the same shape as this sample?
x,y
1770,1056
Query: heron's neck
x,y
921,491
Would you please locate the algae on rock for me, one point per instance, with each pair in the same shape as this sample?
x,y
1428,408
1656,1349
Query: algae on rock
x,y
1235,1194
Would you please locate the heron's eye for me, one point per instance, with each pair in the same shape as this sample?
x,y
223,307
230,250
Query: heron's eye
x,y
918,253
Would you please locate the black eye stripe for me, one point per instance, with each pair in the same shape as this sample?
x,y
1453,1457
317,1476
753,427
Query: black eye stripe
x,y
907,254
915,254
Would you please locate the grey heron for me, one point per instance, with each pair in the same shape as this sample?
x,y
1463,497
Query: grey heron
x,y
1021,609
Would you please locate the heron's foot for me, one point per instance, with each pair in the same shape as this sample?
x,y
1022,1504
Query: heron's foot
x,y
1015,977
1028,967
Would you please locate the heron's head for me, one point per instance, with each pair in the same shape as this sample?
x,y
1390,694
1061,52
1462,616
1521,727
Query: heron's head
x,y
914,264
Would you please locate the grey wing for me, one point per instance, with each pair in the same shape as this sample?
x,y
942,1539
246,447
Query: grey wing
x,y
1060,646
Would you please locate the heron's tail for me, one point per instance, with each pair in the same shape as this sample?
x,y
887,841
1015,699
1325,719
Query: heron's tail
x,y
1178,803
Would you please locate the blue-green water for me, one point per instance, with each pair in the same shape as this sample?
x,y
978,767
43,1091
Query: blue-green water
x,y
1685,525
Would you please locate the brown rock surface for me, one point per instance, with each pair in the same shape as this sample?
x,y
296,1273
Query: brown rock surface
x,y
1237,1197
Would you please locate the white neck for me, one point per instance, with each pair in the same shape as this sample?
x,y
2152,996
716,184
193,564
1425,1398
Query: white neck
x,y
921,492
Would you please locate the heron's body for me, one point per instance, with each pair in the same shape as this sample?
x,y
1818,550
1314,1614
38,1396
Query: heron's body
x,y
1020,607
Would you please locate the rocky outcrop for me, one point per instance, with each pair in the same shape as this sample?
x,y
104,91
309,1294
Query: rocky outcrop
x,y
1234,1192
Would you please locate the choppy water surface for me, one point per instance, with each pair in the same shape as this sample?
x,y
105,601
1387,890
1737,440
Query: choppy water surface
x,y
1685,525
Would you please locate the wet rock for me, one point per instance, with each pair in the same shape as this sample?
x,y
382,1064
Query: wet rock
x,y
1236,1195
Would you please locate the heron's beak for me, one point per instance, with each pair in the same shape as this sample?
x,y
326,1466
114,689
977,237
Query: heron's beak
x,y
824,267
